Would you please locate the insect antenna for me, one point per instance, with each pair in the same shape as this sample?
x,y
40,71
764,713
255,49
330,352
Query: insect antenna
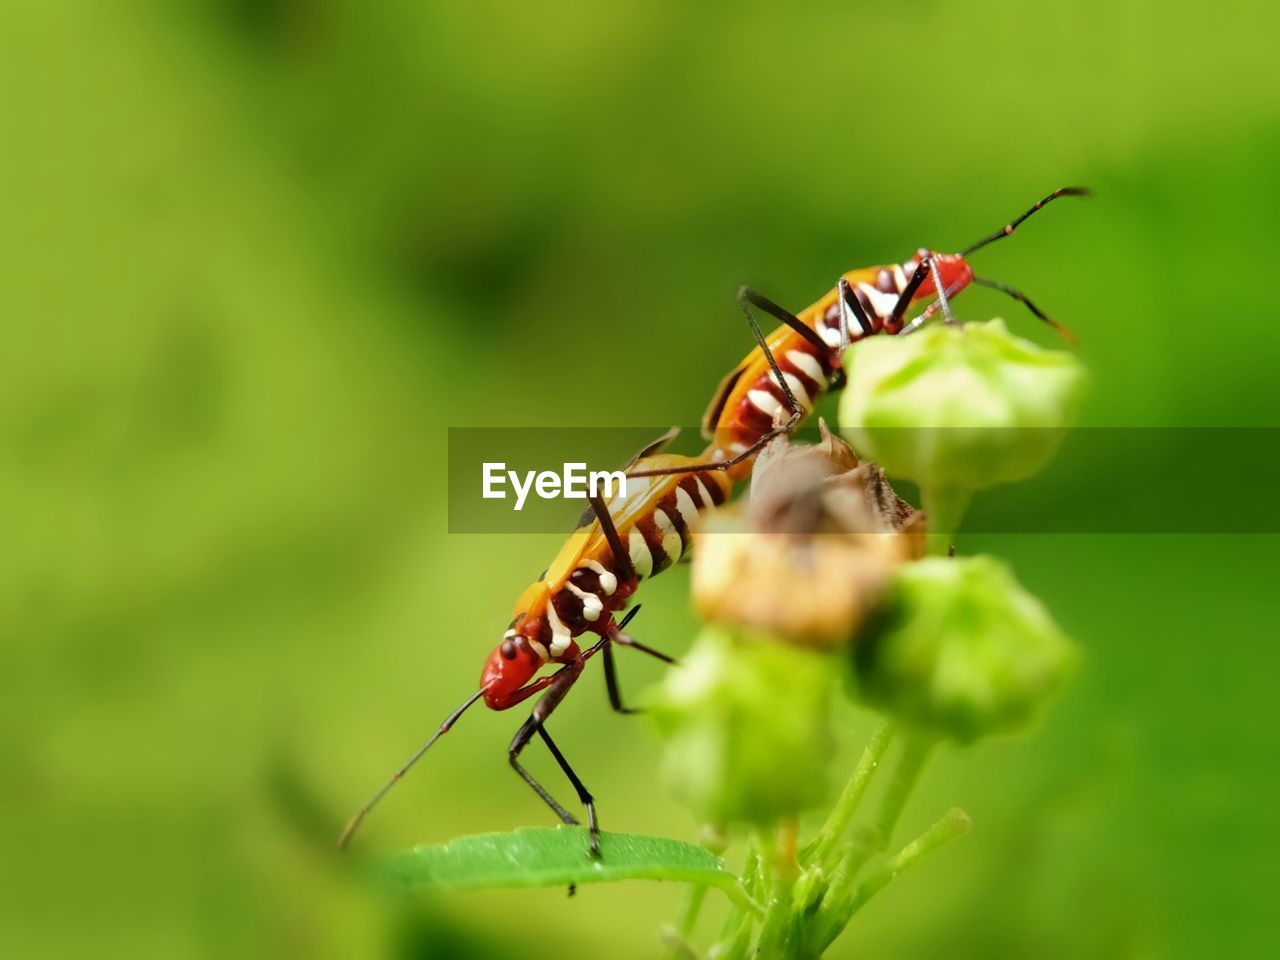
x,y
1009,228
354,823
1026,301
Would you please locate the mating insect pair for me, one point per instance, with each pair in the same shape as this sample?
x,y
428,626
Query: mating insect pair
x,y
602,563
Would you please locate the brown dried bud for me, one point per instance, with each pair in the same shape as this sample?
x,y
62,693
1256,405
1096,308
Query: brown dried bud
x,y
806,556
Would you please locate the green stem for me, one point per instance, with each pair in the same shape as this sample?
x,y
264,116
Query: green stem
x,y
953,824
686,917
915,753
843,812
944,508
691,902
776,912
835,914
735,936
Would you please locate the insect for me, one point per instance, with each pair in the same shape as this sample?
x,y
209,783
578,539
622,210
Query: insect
x,y
590,580
788,371
648,530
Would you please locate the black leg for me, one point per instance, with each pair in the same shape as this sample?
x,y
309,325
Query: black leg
x,y
626,641
746,298
621,555
926,267
849,304
904,299
611,681
584,795
744,301
564,680
605,646
518,743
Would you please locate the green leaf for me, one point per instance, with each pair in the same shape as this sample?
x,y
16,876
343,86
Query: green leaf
x,y
556,856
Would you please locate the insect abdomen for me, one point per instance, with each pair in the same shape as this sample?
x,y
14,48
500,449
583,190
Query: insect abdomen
x,y
662,534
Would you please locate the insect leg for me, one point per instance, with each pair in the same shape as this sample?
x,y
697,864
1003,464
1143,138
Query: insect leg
x,y
564,679
611,681
746,298
904,299
584,795
605,646
849,304
621,556
518,743
617,636
947,317
753,297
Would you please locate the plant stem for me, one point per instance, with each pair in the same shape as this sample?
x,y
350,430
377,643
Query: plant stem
x,y
944,508
953,824
686,917
735,936
692,899
835,912
843,812
915,753
775,911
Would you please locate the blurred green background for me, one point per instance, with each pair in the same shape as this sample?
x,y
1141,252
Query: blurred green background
x,y
257,256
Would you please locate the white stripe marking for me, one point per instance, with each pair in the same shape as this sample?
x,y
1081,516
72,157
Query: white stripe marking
x,y
591,605
764,401
672,545
808,364
899,278
707,502
797,388
881,303
608,582
688,509
560,635
641,558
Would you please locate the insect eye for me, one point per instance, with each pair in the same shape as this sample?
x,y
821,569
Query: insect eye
x,y
508,650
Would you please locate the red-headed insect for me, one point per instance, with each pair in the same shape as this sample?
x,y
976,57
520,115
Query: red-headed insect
x,y
590,580
790,369
602,563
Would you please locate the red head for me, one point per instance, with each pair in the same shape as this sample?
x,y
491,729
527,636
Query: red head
x,y
953,270
954,273
513,663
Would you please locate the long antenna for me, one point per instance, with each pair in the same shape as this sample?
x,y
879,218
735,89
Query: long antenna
x,y
1026,301
1009,228
354,823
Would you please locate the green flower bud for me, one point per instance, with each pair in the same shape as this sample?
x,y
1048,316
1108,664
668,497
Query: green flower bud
x,y
959,408
960,649
748,727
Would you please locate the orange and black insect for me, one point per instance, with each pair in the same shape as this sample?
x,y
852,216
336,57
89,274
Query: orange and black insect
x,y
789,370
591,580
641,534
